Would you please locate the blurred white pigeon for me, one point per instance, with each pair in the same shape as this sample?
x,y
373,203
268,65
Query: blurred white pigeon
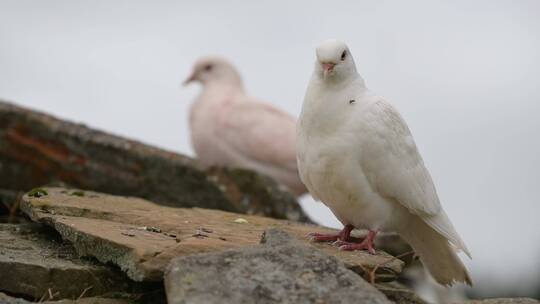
x,y
232,129
356,154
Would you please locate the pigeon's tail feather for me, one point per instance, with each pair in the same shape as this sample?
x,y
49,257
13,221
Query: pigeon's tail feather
x,y
436,253
441,223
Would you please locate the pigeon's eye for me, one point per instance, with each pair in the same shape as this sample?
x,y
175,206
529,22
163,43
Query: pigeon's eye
x,y
208,68
343,55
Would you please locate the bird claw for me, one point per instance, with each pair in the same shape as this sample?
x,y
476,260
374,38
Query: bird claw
x,y
366,244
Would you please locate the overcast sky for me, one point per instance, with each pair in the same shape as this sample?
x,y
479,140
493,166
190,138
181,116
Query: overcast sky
x,y
464,74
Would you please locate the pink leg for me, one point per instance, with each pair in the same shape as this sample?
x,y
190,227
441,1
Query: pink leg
x,y
344,235
366,244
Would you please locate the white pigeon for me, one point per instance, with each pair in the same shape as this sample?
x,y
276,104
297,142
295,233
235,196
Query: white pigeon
x,y
356,154
232,129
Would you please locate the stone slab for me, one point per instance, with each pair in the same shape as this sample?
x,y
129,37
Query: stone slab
x,y
34,260
141,237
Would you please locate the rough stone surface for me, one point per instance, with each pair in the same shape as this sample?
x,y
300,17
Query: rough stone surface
x,y
142,237
5,299
504,301
399,293
32,261
37,149
282,271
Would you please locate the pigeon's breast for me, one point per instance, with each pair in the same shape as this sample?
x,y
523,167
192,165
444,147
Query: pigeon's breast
x,y
203,136
332,172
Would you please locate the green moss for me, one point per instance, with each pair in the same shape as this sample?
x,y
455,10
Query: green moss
x,y
37,192
78,193
188,279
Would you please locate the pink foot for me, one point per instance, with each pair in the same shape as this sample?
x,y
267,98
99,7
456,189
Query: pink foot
x,y
343,235
366,244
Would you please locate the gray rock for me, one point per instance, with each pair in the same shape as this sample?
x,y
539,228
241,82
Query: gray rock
x,y
5,299
32,262
279,271
37,149
276,237
504,301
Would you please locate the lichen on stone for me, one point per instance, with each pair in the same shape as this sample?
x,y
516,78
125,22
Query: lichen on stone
x,y
37,192
78,193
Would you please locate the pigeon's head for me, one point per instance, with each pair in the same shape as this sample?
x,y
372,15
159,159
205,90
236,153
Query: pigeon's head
x,y
214,69
334,61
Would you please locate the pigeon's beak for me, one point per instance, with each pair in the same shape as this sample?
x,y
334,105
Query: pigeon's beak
x,y
328,67
189,80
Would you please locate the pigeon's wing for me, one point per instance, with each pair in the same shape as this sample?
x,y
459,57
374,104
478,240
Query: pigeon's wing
x,y
394,167
396,170
260,133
